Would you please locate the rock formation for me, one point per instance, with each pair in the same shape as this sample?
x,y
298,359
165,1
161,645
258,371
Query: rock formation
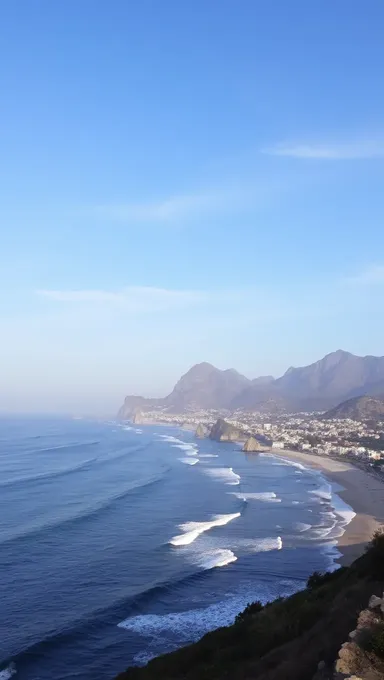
x,y
225,432
251,445
202,431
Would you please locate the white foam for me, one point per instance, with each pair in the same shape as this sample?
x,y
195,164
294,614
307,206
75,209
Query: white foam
x,y
261,544
189,461
302,526
139,431
127,428
191,530
221,474
216,558
170,438
295,502
267,496
190,625
286,461
189,449
209,455
7,673
324,492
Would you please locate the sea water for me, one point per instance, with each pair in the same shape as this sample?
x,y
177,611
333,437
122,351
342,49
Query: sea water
x,y
119,543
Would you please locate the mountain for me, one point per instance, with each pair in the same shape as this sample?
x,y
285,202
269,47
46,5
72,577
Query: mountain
x,y
358,408
205,386
317,387
202,387
332,379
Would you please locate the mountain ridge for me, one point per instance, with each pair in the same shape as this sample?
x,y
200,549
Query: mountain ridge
x,y
322,385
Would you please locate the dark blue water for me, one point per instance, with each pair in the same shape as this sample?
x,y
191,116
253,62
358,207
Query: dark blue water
x,y
114,547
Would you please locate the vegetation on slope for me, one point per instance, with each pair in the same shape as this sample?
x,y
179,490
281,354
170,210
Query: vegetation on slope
x,y
284,640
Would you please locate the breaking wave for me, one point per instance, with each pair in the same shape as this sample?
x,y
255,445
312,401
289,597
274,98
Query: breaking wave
x,y
189,449
216,558
7,673
189,461
191,530
190,625
222,474
267,496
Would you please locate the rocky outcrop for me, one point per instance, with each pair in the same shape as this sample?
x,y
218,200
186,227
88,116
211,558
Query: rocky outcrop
x,y
225,432
202,431
252,445
357,658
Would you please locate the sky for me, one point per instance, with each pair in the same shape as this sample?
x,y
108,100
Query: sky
x,y
184,182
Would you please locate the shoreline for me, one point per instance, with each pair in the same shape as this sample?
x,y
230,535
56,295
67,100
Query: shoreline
x,y
363,492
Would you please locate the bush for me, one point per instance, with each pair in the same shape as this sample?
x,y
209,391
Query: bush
x,y
372,639
251,608
378,643
375,552
318,579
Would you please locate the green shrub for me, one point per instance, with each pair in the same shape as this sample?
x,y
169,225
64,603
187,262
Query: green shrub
x,y
318,579
251,608
378,643
372,639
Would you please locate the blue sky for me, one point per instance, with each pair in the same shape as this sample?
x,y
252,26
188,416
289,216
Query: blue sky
x,y
186,181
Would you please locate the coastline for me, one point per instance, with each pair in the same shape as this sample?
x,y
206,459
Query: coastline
x,y
363,492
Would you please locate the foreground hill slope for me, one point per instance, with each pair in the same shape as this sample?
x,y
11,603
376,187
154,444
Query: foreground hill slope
x,y
285,640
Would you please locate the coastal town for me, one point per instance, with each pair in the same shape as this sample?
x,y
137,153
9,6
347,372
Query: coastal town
x,y
360,441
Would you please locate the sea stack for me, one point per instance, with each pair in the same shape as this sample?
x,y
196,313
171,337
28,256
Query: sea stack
x,y
252,445
225,432
202,431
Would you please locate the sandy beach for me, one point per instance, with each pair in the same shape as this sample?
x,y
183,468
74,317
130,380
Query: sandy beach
x,y
363,492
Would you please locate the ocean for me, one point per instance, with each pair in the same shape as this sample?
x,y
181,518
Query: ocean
x,y
118,543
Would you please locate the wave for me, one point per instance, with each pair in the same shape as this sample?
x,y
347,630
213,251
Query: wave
x,y
170,438
47,475
63,447
302,526
268,496
262,544
221,474
190,625
7,673
102,505
209,455
193,529
189,461
324,492
216,558
188,449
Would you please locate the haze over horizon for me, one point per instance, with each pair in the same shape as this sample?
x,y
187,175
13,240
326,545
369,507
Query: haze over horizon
x,y
184,183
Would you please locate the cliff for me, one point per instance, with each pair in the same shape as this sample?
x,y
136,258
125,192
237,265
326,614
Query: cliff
x,y
225,432
289,639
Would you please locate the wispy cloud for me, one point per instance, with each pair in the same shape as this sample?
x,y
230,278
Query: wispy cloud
x,y
131,298
168,210
353,150
372,275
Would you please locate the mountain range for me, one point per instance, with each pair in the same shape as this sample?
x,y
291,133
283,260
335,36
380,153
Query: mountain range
x,y
320,386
